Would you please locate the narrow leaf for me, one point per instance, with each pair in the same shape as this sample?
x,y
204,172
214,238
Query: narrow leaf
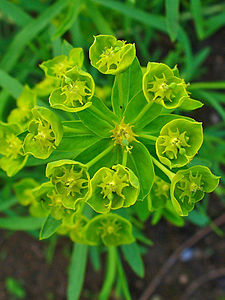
x,y
77,271
172,18
196,8
133,257
21,223
49,227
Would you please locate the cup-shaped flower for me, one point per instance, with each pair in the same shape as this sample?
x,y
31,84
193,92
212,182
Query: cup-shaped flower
x,y
22,115
71,181
23,190
159,194
58,66
11,148
75,92
111,56
45,133
189,186
109,229
160,85
178,142
113,188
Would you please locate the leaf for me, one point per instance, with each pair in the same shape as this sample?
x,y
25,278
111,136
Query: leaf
x,y
113,157
14,12
140,162
77,271
172,18
110,274
126,85
196,9
198,219
190,104
66,47
69,19
7,203
93,119
10,84
133,257
98,19
21,223
95,258
49,227
214,23
212,101
155,126
23,37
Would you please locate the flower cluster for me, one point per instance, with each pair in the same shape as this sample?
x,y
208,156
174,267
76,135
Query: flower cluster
x,y
104,163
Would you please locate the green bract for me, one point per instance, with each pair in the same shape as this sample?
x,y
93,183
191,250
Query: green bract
x,y
113,188
109,229
11,149
45,133
111,56
189,186
71,181
75,92
160,85
22,114
58,66
178,142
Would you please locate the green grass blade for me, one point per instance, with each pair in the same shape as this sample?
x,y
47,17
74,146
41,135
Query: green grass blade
x,y
196,9
133,257
77,271
100,22
215,23
7,203
154,21
219,85
21,223
28,33
10,84
14,12
209,99
172,18
123,279
69,19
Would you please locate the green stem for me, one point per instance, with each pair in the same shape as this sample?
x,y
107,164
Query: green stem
x,y
110,274
148,137
124,162
142,112
98,157
168,173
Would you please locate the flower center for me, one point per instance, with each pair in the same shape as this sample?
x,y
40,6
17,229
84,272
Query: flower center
x,y
123,134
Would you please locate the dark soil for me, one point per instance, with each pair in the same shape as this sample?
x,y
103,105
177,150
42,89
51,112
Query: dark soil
x,y
24,258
